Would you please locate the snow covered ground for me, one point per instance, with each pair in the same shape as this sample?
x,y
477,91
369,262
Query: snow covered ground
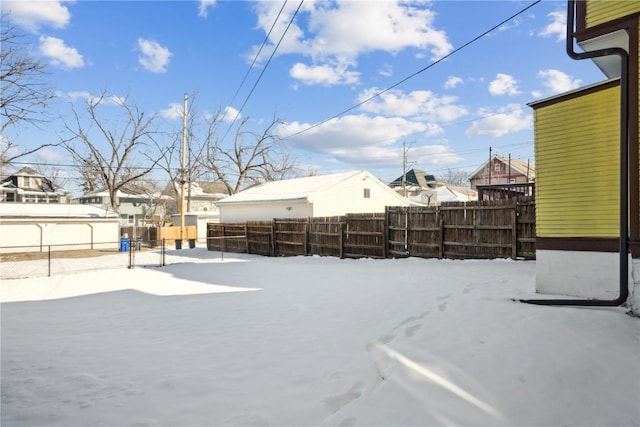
x,y
307,341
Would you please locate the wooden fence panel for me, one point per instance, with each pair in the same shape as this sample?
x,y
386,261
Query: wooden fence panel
x,y
397,231
227,237
526,220
290,236
260,238
364,236
478,229
325,236
485,229
425,233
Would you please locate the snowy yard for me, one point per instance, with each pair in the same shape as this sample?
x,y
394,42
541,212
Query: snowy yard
x,y
308,341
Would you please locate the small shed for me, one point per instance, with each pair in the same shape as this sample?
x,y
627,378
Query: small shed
x,y
314,196
33,227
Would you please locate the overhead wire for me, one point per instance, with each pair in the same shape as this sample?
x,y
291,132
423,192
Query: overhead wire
x,y
275,49
382,92
255,58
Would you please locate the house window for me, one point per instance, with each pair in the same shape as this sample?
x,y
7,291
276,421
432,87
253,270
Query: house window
x,y
497,167
367,193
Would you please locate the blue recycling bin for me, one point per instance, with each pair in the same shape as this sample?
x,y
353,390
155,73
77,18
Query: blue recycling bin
x,y
124,245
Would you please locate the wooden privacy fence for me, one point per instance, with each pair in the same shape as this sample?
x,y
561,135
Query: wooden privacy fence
x,y
489,229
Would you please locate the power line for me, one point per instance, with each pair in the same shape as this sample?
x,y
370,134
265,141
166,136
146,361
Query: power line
x,y
414,74
255,59
264,68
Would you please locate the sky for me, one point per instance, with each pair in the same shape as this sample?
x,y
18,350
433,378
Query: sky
x,y
250,340
356,84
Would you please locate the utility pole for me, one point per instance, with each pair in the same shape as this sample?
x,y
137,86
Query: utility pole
x,y
405,149
404,168
182,166
490,165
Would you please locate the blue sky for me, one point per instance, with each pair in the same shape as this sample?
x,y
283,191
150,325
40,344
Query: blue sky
x,y
334,55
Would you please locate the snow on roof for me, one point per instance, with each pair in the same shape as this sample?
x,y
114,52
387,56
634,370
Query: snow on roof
x,y
53,210
291,189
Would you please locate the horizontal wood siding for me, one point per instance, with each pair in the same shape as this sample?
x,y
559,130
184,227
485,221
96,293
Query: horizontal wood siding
x,y
577,163
603,11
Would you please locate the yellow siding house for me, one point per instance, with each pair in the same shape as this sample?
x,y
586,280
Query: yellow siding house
x,y
578,140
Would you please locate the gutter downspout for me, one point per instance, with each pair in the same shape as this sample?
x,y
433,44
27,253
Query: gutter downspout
x,y
624,169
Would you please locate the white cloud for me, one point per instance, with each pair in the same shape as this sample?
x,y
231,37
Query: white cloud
x,y
338,32
386,70
366,141
174,111
504,84
153,56
557,27
230,114
204,5
59,54
509,119
88,97
420,104
30,14
557,81
510,25
50,156
452,82
325,75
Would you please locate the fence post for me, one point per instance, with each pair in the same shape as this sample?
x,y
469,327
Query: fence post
x,y
164,252
441,247
130,254
274,237
224,241
49,261
385,233
514,234
341,240
246,237
305,237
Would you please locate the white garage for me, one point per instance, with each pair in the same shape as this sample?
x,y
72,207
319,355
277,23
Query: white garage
x,y
26,227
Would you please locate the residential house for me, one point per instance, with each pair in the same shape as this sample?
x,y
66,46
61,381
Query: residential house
x,y
199,196
414,182
315,196
136,208
586,147
502,170
29,186
425,189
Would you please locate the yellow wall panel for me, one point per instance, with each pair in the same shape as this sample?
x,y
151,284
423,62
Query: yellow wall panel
x,y
602,11
577,164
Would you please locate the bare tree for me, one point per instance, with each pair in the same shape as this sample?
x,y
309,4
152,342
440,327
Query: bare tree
x,y
458,177
25,91
110,160
197,141
252,159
